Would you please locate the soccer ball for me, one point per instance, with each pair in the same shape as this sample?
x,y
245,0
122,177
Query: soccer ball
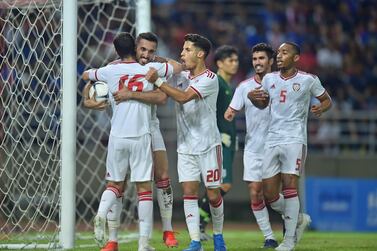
x,y
100,90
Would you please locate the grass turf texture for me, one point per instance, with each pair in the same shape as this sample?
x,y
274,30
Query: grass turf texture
x,y
239,240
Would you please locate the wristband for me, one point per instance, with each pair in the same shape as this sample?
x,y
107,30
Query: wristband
x,y
158,82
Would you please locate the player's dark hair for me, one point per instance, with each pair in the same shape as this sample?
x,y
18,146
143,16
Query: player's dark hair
x,y
295,46
124,44
264,47
199,42
224,51
150,36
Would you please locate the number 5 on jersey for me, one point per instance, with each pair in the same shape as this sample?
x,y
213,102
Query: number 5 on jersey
x,y
132,83
283,96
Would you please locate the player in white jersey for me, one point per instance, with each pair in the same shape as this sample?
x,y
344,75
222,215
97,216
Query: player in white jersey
x,y
256,130
199,142
130,140
146,46
289,92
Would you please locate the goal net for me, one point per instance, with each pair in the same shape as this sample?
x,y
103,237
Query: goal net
x,y
30,111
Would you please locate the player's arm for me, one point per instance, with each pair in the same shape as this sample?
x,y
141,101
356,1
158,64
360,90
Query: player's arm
x,y
177,67
323,106
91,103
259,97
230,113
176,94
155,97
85,75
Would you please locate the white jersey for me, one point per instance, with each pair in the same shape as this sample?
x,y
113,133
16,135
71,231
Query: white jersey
x,y
196,120
256,119
289,105
131,118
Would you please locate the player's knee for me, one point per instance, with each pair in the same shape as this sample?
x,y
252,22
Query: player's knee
x,y
226,187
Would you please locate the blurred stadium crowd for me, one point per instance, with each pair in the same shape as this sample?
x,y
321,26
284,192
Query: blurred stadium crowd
x,y
338,39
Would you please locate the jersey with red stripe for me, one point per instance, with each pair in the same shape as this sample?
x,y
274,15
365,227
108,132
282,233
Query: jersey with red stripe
x,y
131,118
256,119
289,105
196,120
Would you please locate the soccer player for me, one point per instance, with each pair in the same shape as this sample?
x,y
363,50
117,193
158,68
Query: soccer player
x,y
146,46
289,92
199,141
256,131
130,140
226,59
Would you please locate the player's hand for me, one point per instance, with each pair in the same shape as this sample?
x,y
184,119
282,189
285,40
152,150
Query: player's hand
x,y
122,95
91,103
229,114
258,94
152,75
316,110
226,139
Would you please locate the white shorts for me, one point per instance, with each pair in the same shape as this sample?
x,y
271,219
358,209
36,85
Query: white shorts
x,y
288,159
208,165
253,163
157,139
129,153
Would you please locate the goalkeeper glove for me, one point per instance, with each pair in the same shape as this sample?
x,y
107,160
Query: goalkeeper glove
x,y
226,139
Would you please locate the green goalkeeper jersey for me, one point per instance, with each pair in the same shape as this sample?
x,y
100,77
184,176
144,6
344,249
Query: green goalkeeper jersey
x,y
223,100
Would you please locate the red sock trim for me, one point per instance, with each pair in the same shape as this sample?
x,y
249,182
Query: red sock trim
x,y
258,206
218,202
143,196
273,200
163,184
190,197
115,190
290,193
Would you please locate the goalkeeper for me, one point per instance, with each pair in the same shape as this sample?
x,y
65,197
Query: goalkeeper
x,y
226,60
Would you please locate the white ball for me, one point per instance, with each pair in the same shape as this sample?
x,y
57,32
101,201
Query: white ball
x,y
100,90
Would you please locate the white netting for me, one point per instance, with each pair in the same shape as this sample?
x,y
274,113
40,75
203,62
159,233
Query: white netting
x,y
30,88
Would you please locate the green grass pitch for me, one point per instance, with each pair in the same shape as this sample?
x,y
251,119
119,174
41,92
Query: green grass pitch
x,y
240,240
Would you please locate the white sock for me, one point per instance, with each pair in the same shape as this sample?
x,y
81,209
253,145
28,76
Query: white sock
x,y
108,198
191,208
217,215
291,210
278,204
145,211
261,215
165,202
113,219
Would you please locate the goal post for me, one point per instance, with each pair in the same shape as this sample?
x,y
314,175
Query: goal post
x,y
52,150
68,131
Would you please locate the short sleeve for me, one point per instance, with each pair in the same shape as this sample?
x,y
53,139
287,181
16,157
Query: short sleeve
x,y
316,88
206,86
238,102
98,74
164,70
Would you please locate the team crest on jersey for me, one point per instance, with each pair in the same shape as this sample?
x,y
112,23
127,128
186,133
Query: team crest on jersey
x,y
296,87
